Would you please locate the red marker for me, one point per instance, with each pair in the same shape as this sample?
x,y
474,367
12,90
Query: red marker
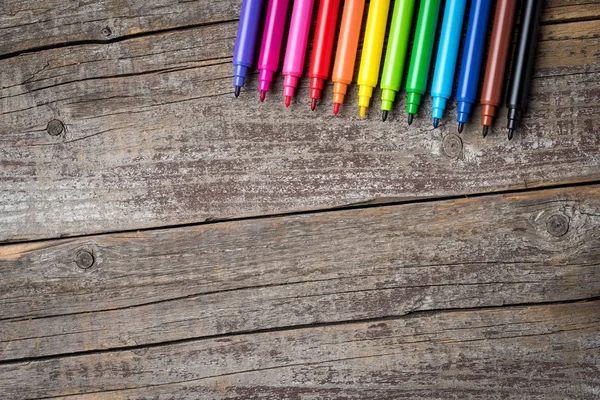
x,y
320,62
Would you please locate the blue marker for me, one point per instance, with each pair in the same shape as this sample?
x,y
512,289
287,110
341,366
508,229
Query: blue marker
x,y
471,61
243,55
447,56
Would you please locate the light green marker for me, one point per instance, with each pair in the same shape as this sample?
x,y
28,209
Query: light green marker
x,y
395,56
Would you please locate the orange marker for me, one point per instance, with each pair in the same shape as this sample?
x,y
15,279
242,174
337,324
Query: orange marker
x,y
345,56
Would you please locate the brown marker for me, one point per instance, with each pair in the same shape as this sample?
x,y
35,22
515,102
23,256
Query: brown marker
x,y
491,95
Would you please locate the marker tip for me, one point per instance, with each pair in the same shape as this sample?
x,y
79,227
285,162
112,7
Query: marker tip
x,y
237,91
363,112
336,108
486,130
511,132
384,115
461,127
288,100
410,119
436,122
263,95
313,104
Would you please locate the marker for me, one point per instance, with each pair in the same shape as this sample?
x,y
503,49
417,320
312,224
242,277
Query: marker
x,y
320,61
268,62
522,68
393,68
347,46
296,47
491,95
368,73
466,94
243,54
420,60
447,56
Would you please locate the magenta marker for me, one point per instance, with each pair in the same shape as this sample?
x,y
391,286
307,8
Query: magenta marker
x,y
296,47
271,44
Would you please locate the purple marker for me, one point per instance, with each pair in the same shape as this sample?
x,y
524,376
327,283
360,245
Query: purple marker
x,y
246,40
271,44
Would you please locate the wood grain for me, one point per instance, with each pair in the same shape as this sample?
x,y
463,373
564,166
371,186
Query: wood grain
x,y
216,279
537,352
27,25
154,137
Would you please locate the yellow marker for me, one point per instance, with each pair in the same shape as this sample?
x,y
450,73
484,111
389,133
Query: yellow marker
x,y
368,74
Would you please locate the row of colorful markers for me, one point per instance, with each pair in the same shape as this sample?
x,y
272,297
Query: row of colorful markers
x,y
393,68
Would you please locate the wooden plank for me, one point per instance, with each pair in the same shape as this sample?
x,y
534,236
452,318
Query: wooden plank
x,y
216,279
539,352
42,23
154,137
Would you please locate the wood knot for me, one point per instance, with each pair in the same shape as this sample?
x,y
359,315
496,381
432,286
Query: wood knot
x,y
453,146
106,31
55,127
557,225
84,259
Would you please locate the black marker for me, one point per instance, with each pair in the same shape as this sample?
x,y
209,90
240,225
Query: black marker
x,y
522,68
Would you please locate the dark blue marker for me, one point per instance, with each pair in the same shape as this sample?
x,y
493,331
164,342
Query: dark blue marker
x,y
243,55
466,94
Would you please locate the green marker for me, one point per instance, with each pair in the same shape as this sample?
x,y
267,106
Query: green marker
x,y
418,73
396,53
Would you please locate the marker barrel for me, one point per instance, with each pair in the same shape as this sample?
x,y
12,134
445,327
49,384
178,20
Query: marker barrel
x,y
418,72
395,58
296,45
268,62
368,74
447,56
491,94
523,62
243,54
320,62
345,57
466,94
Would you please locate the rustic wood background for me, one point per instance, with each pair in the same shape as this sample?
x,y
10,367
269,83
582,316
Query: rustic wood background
x,y
160,239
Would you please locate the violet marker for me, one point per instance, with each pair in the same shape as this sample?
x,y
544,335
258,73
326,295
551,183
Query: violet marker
x,y
243,54
271,44
296,47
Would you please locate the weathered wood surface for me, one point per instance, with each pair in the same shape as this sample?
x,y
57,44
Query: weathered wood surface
x,y
27,25
234,277
535,352
153,136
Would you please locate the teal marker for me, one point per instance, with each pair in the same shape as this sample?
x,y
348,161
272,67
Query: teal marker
x,y
447,57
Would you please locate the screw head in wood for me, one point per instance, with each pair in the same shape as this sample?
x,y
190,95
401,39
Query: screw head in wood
x,y
557,225
106,31
452,145
84,259
55,127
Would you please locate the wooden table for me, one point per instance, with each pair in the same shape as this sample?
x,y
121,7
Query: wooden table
x,y
163,240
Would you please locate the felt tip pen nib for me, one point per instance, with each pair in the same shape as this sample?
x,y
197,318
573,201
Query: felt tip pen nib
x,y
288,100
237,91
436,122
486,130
363,112
263,95
336,108
461,127
511,133
313,104
384,115
410,119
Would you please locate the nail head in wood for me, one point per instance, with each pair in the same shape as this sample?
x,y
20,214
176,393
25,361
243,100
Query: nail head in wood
x,y
84,259
106,31
557,225
452,146
55,127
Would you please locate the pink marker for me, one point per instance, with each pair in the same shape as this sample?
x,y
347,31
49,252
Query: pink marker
x,y
296,47
271,44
